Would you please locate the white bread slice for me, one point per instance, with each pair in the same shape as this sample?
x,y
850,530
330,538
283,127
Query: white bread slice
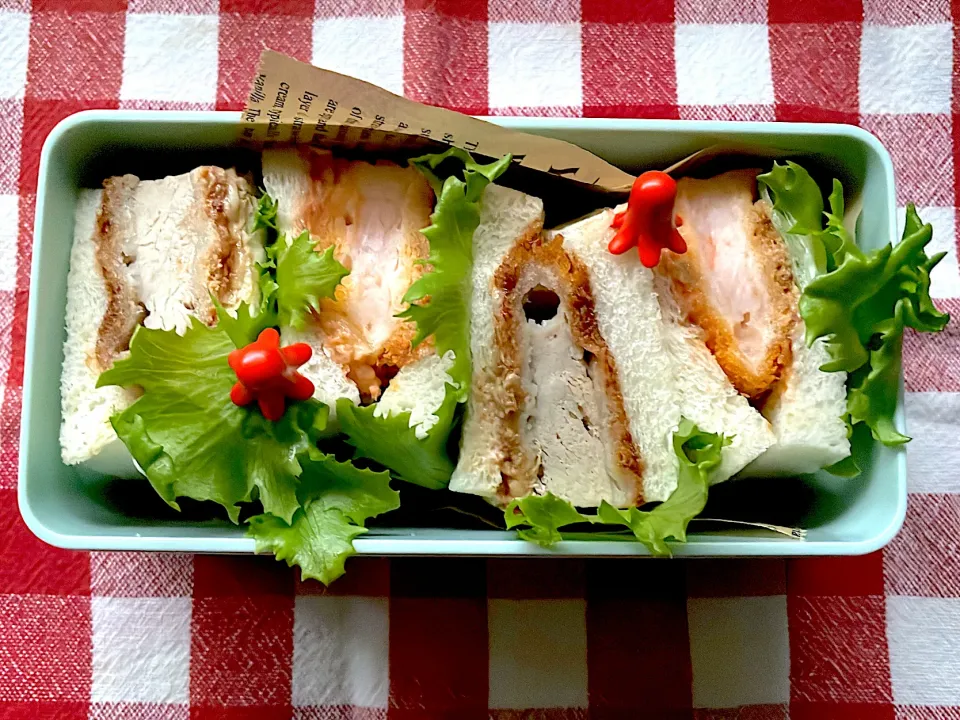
x,y
706,395
86,433
286,179
146,251
372,214
702,392
806,414
506,216
630,322
418,388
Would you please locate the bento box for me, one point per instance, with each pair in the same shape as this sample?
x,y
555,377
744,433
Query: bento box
x,y
78,509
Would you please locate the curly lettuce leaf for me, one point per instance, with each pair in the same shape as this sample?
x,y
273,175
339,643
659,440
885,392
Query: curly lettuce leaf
x,y
191,440
797,205
698,453
861,308
391,441
540,518
303,277
858,302
439,302
337,499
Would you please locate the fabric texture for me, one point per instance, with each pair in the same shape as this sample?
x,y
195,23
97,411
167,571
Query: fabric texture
x,y
111,636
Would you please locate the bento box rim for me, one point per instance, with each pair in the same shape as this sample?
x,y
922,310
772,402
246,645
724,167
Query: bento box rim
x,y
397,545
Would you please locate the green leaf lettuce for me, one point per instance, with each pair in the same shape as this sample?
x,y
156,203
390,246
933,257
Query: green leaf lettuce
x,y
858,302
697,452
440,299
304,276
337,499
191,440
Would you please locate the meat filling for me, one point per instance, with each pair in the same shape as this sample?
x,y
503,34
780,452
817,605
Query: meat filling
x,y
564,415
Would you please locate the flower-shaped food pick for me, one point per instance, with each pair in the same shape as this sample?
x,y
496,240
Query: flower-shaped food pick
x,y
268,374
648,220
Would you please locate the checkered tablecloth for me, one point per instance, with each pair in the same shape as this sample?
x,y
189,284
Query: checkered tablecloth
x,y
164,637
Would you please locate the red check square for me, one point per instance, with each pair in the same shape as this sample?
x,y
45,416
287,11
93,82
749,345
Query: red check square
x,y
242,37
39,118
445,61
815,11
533,578
838,650
240,576
241,653
848,576
289,8
72,7
476,11
48,711
816,65
736,578
30,566
77,56
800,710
438,657
366,577
628,70
45,646
641,668
628,11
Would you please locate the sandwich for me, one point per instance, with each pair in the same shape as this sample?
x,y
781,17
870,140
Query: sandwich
x,y
737,285
372,215
371,363
154,253
583,370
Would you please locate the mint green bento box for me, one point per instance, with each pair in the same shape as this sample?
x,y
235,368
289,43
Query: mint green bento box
x,y
71,508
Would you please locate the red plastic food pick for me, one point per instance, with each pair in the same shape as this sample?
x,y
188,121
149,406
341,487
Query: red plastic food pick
x,y
268,374
648,220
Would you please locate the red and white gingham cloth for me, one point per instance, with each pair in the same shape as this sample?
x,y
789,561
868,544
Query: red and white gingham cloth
x,y
163,637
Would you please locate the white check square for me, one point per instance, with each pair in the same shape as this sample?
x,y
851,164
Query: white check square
x,y
906,69
10,211
933,456
924,638
340,651
723,64
141,649
369,48
740,650
14,49
534,65
538,653
170,58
